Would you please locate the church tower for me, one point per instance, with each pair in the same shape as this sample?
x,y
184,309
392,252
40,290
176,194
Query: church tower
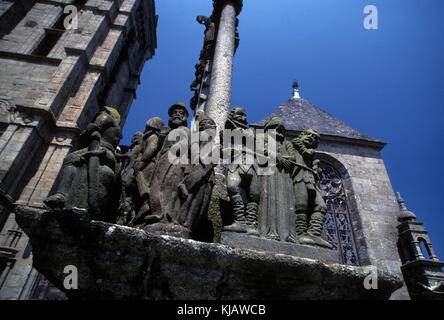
x,y
420,265
60,61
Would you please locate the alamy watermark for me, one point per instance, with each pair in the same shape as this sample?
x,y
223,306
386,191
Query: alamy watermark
x,y
371,20
371,280
71,280
71,20
233,147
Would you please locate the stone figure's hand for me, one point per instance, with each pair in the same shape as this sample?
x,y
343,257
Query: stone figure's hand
x,y
287,164
279,160
95,153
139,166
310,152
183,192
92,127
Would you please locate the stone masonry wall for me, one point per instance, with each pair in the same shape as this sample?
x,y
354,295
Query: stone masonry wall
x,y
45,101
372,204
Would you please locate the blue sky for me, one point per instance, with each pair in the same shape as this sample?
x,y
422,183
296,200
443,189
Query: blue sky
x,y
386,83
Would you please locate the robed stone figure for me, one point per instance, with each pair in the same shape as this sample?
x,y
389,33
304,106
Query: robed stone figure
x,y
276,215
128,196
89,175
165,201
197,185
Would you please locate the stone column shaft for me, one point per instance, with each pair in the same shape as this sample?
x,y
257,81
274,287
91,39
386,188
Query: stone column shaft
x,y
219,100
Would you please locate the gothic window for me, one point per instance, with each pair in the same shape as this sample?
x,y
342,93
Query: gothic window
x,y
337,228
424,248
53,34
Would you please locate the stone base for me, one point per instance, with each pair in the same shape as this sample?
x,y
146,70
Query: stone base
x,y
173,230
118,262
242,240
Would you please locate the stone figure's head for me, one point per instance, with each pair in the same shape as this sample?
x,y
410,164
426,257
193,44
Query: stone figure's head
x,y
310,138
112,135
205,122
238,116
137,138
202,19
277,124
113,113
154,124
178,115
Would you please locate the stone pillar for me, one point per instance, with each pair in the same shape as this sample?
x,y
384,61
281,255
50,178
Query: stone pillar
x,y
219,99
219,96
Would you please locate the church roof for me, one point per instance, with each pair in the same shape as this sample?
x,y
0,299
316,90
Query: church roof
x,y
299,114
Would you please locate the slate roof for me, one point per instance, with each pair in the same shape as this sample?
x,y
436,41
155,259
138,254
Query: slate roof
x,y
299,114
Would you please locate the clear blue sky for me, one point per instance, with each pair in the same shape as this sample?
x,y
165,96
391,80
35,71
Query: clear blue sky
x,y
385,83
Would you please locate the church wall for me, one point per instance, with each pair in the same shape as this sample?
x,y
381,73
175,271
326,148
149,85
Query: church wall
x,y
11,12
47,100
23,81
372,204
29,32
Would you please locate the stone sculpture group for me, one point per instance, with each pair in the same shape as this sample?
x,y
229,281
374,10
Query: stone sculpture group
x,y
144,188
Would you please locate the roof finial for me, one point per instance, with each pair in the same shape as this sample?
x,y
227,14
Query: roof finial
x,y
296,90
405,213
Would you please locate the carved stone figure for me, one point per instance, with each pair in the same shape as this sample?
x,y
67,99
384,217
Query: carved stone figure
x,y
310,206
197,185
145,165
277,202
164,192
195,85
236,36
128,179
88,176
206,55
209,39
198,73
242,178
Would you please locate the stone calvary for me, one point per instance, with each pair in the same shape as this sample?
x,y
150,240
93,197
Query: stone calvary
x,y
127,220
218,210
149,188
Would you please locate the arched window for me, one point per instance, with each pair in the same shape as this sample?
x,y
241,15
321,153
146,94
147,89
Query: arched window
x,y
424,248
337,228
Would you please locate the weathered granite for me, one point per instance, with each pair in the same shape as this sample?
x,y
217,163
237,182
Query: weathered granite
x,y
117,262
242,240
370,197
52,95
219,98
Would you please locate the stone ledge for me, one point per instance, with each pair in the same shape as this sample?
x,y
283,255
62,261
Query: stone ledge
x,y
239,240
117,262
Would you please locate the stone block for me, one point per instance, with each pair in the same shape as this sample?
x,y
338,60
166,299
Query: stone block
x,y
134,264
239,240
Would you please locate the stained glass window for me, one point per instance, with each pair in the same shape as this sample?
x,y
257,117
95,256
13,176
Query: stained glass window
x,y
337,228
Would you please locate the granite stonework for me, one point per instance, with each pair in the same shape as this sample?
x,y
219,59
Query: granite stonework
x,y
134,264
241,240
372,204
370,197
219,97
421,267
52,83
